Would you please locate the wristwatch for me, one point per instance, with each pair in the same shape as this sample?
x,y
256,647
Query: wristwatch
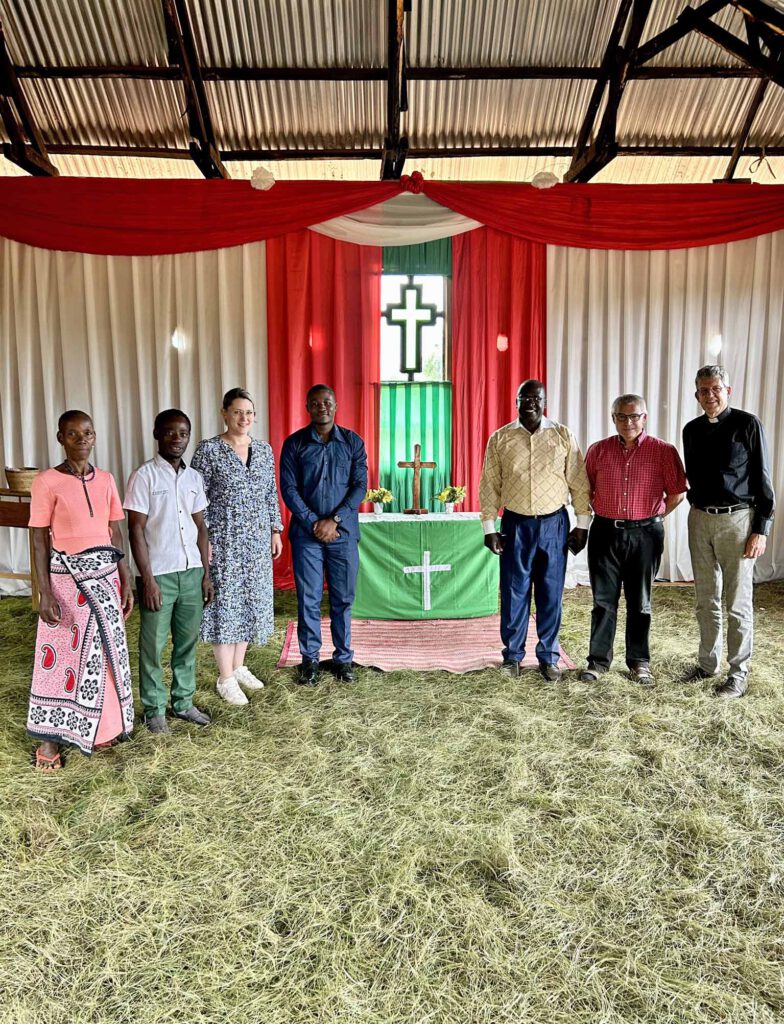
x,y
336,518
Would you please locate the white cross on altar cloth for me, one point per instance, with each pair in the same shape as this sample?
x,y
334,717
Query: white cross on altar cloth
x,y
426,568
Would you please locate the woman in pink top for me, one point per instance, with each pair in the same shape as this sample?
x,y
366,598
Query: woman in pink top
x,y
81,688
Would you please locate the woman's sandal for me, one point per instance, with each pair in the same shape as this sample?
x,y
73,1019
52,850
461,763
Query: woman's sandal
x,y
45,764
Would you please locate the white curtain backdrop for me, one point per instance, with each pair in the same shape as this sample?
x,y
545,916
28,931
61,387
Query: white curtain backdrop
x,y
408,219
645,322
122,338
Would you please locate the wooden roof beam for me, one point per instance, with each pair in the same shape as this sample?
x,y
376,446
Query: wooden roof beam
x,y
605,69
183,54
589,160
763,14
26,147
415,152
395,146
675,32
422,74
768,66
748,121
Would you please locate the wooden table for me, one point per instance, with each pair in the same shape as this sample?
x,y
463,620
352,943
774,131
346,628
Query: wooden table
x,y
15,513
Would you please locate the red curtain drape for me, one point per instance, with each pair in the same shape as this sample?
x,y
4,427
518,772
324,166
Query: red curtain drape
x,y
619,216
126,217
323,327
498,340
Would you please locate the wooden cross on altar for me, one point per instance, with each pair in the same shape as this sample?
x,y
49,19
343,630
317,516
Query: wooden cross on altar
x,y
417,465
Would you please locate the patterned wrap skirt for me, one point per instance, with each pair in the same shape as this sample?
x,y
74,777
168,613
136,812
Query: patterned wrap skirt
x,y
82,674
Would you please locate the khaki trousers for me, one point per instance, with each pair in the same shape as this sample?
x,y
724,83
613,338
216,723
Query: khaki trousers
x,y
716,544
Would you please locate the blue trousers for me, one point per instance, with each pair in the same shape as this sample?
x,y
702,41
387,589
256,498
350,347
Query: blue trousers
x,y
339,561
534,558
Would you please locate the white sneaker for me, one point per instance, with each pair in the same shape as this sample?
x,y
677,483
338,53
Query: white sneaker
x,y
230,691
246,678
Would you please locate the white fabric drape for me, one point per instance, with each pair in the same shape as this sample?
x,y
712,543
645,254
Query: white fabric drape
x,y
408,219
644,322
123,338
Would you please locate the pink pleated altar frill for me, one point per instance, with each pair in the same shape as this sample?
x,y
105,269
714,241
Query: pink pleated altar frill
x,y
81,688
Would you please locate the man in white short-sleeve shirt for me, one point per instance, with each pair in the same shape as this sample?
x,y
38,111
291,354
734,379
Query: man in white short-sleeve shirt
x,y
165,501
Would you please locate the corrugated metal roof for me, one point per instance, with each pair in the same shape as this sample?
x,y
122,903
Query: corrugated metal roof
x,y
82,32
324,114
298,115
473,113
509,32
291,33
695,112
109,111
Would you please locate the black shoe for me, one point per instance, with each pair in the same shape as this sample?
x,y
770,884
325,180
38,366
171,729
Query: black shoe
x,y
695,674
344,671
308,673
551,673
194,716
512,668
157,724
592,673
733,686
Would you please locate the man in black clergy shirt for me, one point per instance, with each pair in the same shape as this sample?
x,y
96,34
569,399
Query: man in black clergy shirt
x,y
732,504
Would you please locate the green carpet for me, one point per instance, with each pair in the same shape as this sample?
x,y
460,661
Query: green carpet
x,y
416,848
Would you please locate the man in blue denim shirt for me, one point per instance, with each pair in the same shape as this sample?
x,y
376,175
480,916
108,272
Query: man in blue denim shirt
x,y
323,479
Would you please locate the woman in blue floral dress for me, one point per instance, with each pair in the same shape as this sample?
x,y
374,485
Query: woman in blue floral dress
x,y
244,524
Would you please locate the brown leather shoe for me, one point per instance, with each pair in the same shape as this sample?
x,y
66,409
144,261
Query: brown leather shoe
x,y
733,686
641,674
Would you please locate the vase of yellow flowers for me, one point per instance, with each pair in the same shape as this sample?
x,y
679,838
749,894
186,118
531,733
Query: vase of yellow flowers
x,y
451,496
380,496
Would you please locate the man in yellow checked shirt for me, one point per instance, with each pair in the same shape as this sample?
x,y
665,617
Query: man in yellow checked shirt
x,y
532,467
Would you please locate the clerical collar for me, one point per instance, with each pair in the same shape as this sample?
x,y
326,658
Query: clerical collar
x,y
722,415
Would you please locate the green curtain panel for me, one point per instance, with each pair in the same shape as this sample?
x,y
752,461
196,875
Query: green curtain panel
x,y
426,258
415,414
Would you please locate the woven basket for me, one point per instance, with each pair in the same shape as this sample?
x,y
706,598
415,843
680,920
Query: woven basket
x,y
21,479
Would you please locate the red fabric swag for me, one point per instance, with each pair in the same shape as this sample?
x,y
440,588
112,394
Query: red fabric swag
x,y
121,217
323,327
126,217
498,340
619,216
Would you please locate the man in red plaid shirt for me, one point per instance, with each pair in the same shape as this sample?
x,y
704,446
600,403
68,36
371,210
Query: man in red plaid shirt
x,y
636,480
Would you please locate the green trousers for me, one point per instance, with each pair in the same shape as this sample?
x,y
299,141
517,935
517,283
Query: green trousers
x,y
182,605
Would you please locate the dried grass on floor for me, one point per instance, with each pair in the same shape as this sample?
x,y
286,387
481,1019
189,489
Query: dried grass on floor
x,y
417,848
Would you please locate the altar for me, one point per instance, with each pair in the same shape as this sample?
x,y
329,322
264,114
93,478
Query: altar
x,y
424,567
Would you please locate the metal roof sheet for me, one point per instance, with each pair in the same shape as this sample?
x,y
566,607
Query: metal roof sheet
x,y
312,115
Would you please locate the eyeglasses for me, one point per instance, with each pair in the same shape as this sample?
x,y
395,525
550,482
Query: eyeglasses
x,y
629,417
707,392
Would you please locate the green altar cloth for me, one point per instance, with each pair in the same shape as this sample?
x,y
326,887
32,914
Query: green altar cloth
x,y
424,567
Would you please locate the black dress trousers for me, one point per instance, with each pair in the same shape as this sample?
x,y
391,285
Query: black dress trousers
x,y
622,558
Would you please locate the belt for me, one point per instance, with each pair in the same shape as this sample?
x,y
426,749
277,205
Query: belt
x,y
546,515
630,524
722,510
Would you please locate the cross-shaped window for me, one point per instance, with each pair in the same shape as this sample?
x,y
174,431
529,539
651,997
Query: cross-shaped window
x,y
413,332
